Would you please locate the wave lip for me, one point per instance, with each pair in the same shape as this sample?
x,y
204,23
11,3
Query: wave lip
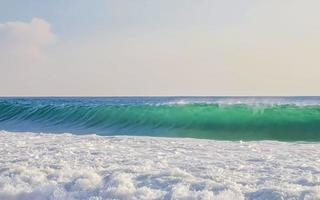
x,y
65,166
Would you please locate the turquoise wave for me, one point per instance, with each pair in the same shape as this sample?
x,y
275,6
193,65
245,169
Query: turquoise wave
x,y
288,122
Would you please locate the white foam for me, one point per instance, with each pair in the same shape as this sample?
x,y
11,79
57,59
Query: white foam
x,y
47,166
252,101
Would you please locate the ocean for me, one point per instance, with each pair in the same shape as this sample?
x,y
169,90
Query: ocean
x,y
222,118
161,148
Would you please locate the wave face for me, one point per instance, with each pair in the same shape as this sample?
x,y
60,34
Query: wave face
x,y
226,118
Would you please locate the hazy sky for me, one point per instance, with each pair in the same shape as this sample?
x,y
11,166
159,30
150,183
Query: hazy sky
x,y
159,47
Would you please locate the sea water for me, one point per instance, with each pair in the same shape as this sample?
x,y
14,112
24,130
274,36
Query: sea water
x,y
223,118
100,148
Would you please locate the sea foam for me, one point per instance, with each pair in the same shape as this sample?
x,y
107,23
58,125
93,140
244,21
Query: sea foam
x,y
51,166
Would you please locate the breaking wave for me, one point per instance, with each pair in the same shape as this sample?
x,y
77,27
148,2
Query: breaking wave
x,y
230,120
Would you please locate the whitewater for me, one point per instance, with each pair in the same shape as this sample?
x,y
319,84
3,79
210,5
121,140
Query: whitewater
x,y
64,166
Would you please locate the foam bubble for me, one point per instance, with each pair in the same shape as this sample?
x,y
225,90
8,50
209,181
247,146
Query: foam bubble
x,y
47,166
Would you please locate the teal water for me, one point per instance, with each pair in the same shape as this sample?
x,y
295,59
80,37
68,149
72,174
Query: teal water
x,y
225,118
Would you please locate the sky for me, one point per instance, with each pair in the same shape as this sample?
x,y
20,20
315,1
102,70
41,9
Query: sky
x,y
159,47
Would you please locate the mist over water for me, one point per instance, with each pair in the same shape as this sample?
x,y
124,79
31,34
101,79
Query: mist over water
x,y
225,118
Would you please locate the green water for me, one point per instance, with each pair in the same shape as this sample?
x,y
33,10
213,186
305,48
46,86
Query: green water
x,y
288,122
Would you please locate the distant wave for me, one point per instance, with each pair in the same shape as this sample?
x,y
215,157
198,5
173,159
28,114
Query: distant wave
x,y
231,119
